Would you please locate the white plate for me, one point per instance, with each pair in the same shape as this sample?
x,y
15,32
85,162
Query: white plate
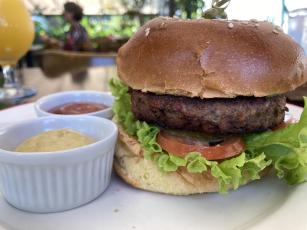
x,y
265,204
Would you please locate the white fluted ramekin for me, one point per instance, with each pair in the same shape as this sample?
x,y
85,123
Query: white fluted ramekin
x,y
44,104
56,181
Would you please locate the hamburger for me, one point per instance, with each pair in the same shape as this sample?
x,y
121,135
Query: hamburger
x,y
200,106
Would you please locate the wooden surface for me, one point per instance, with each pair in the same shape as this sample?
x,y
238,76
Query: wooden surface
x,y
56,62
92,78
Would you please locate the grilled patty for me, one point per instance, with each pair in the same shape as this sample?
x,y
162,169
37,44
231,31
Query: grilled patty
x,y
213,116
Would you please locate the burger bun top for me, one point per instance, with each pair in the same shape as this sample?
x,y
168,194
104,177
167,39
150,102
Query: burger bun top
x,y
211,58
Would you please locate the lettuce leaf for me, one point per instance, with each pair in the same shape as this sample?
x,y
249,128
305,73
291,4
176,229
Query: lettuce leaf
x,y
285,149
122,106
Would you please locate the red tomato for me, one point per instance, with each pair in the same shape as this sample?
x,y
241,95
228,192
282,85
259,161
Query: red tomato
x,y
180,146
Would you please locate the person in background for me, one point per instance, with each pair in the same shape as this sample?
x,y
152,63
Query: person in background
x,y
76,38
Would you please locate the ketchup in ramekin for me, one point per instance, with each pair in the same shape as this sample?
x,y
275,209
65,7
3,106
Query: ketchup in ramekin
x,y
78,108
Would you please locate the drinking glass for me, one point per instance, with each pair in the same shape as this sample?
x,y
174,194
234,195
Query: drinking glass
x,y
16,37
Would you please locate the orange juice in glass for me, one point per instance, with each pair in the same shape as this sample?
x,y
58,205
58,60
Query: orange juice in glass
x,y
16,35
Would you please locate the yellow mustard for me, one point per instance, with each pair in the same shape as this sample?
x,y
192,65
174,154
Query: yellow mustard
x,y
55,140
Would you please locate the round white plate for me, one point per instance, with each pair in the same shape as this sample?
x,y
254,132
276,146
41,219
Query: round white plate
x,y
266,204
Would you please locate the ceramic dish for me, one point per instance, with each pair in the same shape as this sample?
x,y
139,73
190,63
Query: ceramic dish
x,y
61,180
45,104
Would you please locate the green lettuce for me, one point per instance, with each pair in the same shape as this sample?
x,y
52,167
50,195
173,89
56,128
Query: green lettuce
x,y
285,149
122,106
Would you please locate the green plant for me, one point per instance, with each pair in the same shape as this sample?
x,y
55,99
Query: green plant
x,y
57,27
133,4
112,26
96,26
186,8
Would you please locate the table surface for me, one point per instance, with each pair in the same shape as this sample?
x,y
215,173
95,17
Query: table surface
x,y
92,78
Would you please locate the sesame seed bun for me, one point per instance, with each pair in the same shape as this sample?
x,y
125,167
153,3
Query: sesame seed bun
x,y
211,58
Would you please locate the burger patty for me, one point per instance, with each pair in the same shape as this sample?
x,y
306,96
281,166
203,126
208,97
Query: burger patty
x,y
213,116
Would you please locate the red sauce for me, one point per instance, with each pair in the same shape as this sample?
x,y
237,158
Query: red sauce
x,y
77,108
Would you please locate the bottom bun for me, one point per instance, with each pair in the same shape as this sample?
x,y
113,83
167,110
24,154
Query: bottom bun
x,y
131,166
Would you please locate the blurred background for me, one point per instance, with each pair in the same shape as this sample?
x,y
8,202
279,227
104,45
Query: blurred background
x,y
51,65
110,23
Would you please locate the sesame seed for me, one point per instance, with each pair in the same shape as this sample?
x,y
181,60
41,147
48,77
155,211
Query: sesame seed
x,y
275,31
217,19
146,176
162,24
230,25
165,17
278,28
147,30
245,22
176,17
254,20
257,25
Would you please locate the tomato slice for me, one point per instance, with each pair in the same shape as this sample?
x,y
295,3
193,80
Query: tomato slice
x,y
181,146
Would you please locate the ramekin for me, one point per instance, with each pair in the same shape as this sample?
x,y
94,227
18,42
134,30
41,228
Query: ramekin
x,y
44,104
56,181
